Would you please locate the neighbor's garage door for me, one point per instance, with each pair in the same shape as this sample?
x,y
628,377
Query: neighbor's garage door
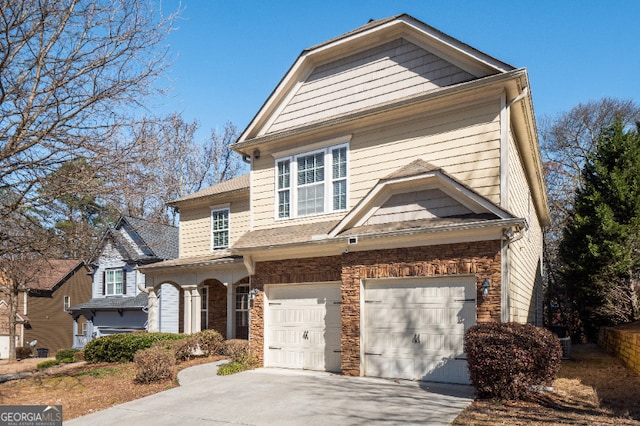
x,y
303,326
414,329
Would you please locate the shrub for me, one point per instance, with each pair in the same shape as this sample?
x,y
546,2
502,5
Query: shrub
x,y
23,352
78,356
48,363
66,355
210,342
508,360
122,347
241,358
237,350
183,349
232,367
155,364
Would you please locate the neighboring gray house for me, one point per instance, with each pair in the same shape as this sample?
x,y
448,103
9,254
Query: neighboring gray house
x,y
119,303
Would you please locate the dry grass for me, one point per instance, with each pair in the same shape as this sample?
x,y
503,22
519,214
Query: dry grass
x,y
592,388
80,388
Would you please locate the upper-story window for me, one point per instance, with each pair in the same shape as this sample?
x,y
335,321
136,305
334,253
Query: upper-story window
x,y
312,183
66,303
219,229
114,282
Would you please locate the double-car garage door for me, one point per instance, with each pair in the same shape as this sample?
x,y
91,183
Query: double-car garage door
x,y
411,328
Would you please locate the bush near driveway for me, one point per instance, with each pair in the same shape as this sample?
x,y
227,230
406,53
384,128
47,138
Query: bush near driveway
x,y
155,364
240,355
122,347
508,360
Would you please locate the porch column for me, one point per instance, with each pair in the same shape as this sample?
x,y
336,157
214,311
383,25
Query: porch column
x,y
187,310
196,310
153,314
230,310
75,332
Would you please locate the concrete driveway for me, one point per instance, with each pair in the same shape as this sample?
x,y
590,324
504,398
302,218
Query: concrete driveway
x,y
288,397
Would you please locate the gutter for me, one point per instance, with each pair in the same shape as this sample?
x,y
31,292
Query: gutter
x,y
326,240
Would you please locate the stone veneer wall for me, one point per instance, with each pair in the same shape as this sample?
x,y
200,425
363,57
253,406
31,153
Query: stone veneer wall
x,y
479,258
623,342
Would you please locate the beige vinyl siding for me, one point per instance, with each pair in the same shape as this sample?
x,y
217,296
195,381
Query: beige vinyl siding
x,y
388,72
195,226
425,204
525,289
464,142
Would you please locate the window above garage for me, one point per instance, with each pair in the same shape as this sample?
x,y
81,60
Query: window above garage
x,y
312,183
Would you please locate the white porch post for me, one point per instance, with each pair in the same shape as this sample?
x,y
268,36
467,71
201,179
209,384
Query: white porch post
x,y
75,332
187,310
230,310
153,314
196,309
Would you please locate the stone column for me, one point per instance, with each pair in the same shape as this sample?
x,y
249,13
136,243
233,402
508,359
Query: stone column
x,y
196,310
153,314
187,310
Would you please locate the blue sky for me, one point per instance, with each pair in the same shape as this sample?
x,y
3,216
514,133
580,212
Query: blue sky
x,y
228,56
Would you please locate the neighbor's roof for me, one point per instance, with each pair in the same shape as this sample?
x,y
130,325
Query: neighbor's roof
x,y
115,302
161,239
50,273
239,183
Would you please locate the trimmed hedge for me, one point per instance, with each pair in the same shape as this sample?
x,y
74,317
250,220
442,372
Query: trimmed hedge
x,y
66,355
122,347
23,352
239,352
509,360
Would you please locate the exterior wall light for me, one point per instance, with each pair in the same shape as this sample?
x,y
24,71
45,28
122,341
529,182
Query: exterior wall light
x,y
486,284
254,293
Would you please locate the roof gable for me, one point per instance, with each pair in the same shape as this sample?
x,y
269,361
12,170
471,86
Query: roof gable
x,y
418,191
358,69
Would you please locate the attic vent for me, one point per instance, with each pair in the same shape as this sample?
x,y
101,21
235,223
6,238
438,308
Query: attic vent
x,y
353,240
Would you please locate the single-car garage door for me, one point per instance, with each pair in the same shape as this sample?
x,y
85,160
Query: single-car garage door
x,y
303,326
414,328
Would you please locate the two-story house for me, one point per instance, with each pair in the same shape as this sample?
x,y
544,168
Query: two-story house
x,y
395,199
42,315
119,302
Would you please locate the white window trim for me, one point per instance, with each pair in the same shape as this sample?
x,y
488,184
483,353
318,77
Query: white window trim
x,y
106,283
293,180
218,209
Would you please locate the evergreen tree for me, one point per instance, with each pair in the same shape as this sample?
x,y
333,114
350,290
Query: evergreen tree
x,y
600,248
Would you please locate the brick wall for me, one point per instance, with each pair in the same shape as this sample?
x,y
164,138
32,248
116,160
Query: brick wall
x,y
217,307
622,342
479,258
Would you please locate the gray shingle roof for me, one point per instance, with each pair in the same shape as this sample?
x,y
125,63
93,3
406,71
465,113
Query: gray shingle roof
x,y
158,241
111,303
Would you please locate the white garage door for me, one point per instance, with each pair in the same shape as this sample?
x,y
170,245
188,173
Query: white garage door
x,y
303,326
414,329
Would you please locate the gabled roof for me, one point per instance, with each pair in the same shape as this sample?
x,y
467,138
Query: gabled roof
x,y
141,241
237,184
472,61
52,273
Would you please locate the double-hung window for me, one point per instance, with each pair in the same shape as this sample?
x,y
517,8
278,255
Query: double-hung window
x,y
114,282
219,229
312,183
